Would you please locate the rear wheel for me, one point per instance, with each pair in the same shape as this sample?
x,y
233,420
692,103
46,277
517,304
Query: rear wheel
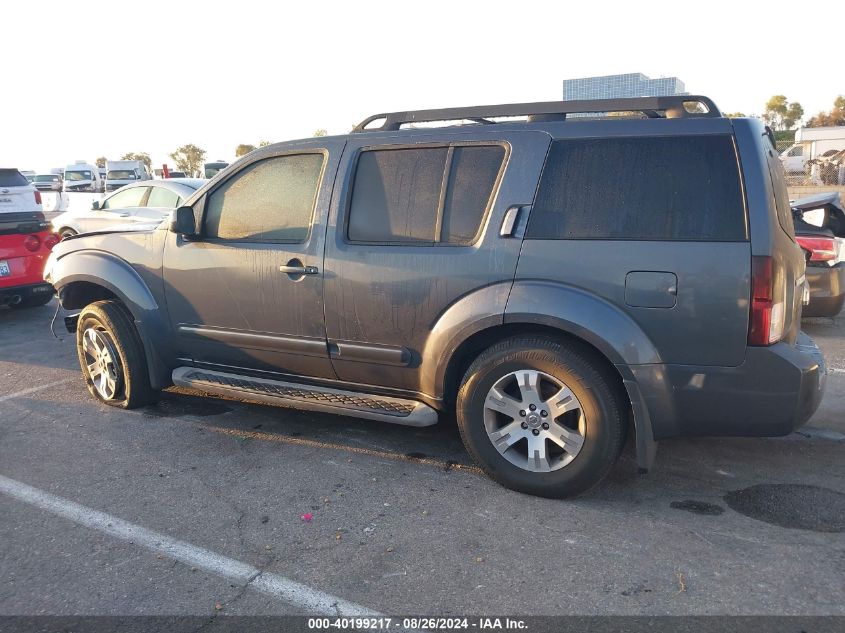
x,y
541,417
111,356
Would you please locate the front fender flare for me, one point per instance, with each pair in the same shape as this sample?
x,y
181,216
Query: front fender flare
x,y
108,271
118,277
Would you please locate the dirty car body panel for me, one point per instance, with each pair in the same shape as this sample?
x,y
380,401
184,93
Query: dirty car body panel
x,y
409,252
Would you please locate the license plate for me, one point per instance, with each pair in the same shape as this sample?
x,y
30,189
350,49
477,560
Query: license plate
x,y
5,271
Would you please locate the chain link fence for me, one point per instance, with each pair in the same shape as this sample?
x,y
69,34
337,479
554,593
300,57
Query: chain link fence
x,y
812,175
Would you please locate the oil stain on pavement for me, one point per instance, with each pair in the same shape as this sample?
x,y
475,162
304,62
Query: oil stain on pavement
x,y
795,506
698,507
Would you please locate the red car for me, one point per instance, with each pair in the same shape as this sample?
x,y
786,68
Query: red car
x,y
25,243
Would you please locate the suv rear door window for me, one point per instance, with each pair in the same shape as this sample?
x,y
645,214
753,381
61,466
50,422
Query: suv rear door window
x,y
646,188
396,195
271,200
472,178
423,196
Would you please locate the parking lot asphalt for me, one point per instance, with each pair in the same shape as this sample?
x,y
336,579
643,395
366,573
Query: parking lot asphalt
x,y
153,510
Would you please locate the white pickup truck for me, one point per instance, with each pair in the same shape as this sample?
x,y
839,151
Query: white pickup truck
x,y
812,144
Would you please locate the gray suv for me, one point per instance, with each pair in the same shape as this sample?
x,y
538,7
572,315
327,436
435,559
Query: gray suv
x,y
556,281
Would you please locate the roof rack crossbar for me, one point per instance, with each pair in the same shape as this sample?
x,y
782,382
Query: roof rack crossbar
x,y
653,107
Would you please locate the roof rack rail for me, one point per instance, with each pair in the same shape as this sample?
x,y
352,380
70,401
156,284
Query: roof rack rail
x,y
670,107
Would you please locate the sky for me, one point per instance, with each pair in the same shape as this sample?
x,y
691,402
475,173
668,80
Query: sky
x,y
102,79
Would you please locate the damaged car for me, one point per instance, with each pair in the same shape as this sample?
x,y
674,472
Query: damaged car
x,y
820,232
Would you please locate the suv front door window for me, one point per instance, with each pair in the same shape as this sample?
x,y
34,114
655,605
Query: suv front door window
x,y
234,295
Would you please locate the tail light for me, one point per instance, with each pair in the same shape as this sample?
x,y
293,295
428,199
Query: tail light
x,y
51,240
37,197
821,249
31,243
768,296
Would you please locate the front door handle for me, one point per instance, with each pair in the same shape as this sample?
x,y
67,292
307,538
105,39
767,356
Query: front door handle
x,y
299,270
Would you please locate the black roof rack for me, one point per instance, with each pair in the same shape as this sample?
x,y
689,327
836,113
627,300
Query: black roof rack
x,y
670,107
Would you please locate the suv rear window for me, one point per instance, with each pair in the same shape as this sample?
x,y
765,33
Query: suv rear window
x,y
12,178
645,188
423,196
784,209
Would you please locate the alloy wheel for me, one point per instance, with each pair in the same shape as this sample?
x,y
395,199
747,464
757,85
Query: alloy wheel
x,y
534,420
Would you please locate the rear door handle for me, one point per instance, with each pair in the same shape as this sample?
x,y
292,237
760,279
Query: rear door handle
x,y
510,221
299,270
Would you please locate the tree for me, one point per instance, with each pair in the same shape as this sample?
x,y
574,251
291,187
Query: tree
x,y
101,162
735,115
320,132
781,114
828,119
189,158
142,156
243,149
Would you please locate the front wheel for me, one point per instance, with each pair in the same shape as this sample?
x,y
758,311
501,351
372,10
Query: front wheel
x,y
111,356
541,417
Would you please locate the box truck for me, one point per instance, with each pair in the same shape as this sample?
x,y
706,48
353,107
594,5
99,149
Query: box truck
x,y
123,172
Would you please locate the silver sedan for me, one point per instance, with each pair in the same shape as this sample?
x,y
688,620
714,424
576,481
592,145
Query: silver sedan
x,y
147,202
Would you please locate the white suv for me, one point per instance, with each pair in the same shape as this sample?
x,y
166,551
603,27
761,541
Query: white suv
x,y
17,194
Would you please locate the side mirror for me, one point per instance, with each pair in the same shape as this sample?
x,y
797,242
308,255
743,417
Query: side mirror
x,y
95,206
184,222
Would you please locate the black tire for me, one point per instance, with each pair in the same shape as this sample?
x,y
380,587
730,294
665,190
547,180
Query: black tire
x,y
596,389
34,301
114,325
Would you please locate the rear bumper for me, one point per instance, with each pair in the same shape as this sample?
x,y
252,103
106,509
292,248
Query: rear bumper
x,y
773,392
827,290
16,294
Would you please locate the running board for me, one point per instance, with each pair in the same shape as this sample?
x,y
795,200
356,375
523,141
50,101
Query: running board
x,y
310,397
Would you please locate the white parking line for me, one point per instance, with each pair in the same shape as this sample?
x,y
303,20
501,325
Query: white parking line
x,y
26,392
297,594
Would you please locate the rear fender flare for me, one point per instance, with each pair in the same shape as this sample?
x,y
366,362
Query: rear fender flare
x,y
604,326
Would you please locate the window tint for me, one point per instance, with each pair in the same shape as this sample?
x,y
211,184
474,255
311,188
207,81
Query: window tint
x,y
398,195
12,178
161,197
131,197
471,181
659,188
269,200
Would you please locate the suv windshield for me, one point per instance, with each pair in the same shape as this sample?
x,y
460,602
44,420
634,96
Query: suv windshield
x,y
46,178
12,178
121,174
77,175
